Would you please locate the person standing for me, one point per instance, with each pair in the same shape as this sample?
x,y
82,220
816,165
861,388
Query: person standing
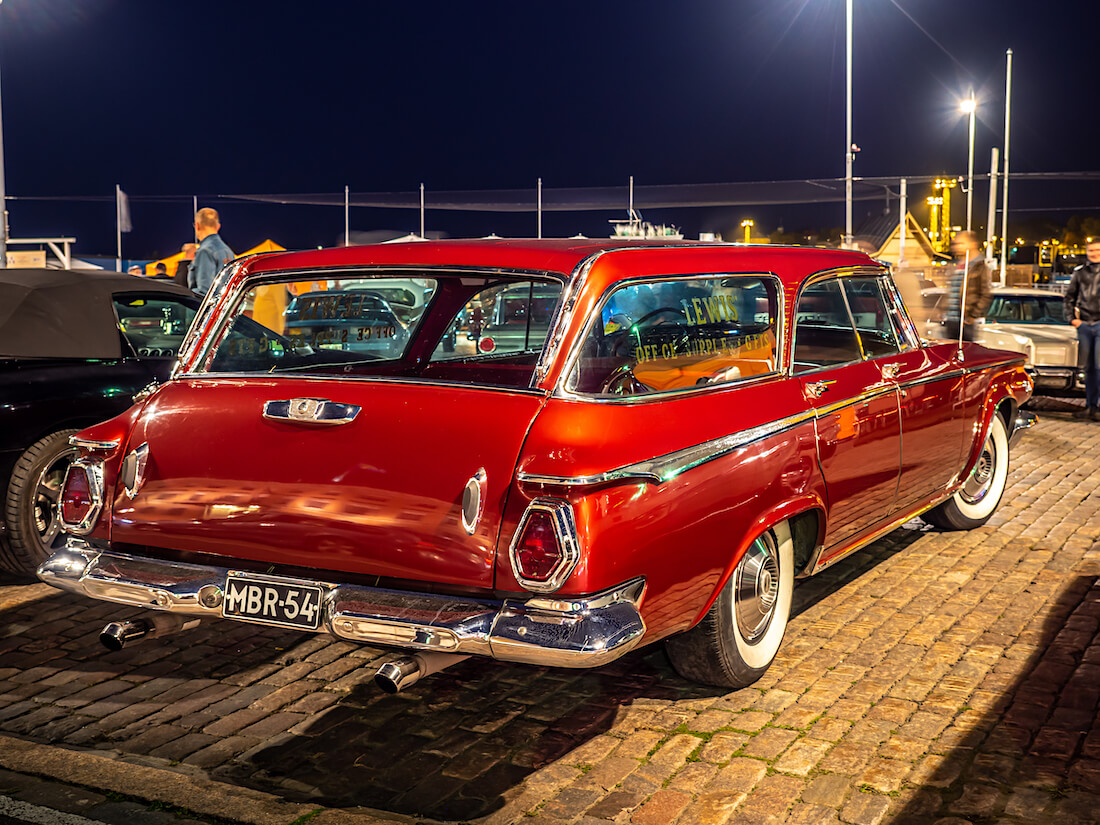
x,y
1082,306
212,254
979,286
184,265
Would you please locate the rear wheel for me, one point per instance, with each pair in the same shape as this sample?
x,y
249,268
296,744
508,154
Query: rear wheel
x,y
738,638
30,506
978,498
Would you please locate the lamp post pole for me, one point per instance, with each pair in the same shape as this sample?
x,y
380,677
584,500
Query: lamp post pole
x,y
848,151
3,198
970,106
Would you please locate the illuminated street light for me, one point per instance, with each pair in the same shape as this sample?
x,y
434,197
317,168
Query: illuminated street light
x,y
747,225
968,107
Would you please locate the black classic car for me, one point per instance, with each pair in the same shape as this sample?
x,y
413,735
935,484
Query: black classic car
x,y
75,347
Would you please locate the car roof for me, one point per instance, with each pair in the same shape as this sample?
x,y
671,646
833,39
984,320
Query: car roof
x,y
57,313
563,256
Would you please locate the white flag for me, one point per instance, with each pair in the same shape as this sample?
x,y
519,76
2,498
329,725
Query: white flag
x,y
124,224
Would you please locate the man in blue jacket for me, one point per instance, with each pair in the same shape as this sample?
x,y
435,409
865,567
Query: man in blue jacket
x,y
213,253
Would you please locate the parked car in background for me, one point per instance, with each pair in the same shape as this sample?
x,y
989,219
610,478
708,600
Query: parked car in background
x,y
74,349
354,319
1030,321
698,425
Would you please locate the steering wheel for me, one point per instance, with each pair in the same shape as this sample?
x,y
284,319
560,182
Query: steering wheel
x,y
666,310
623,381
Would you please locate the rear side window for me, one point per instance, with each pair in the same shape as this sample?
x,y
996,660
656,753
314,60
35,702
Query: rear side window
x,y
679,334
503,319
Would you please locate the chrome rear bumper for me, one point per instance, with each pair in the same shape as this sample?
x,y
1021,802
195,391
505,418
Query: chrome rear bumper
x,y
559,632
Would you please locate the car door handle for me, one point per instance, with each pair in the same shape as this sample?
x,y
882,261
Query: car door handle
x,y
890,371
312,411
819,388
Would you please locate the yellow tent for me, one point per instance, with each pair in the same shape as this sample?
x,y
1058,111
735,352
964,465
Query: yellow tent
x,y
172,261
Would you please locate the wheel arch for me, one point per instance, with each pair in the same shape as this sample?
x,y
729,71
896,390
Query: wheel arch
x,y
806,518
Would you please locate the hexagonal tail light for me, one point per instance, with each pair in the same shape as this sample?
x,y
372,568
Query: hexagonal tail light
x,y
81,496
544,549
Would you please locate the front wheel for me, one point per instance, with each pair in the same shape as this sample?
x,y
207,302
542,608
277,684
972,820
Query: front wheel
x,y
978,498
739,636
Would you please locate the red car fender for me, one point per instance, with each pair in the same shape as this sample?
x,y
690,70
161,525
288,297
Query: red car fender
x,y
808,503
1004,388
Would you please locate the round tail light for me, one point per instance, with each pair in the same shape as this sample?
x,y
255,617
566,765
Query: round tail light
x,y
486,345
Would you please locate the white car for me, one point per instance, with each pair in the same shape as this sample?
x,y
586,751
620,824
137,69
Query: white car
x,y
1031,321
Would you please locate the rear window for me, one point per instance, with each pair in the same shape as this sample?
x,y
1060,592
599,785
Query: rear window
x,y
294,326
679,334
459,327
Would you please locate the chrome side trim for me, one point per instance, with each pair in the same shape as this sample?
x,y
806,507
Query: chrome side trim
x,y
875,391
945,376
571,631
667,467
132,473
1023,422
89,444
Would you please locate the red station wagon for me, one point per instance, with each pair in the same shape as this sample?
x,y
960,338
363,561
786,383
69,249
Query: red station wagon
x,y
701,425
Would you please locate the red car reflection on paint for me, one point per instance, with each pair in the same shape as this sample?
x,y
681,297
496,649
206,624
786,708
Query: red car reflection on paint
x,y
697,426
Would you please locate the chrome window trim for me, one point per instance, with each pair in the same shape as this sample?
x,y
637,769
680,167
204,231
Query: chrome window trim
x,y
217,322
564,317
667,467
812,280
565,531
269,378
93,471
561,390
886,307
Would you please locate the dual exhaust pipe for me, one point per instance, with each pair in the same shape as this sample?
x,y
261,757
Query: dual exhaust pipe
x,y
392,677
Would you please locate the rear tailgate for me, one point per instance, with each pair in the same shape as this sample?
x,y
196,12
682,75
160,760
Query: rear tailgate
x,y
380,495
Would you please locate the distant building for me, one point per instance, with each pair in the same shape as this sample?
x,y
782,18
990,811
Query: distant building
x,y
881,235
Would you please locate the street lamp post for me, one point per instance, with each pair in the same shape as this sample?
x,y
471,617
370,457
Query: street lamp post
x,y
968,107
3,198
849,147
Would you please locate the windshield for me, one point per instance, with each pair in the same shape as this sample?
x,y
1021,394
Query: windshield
x,y
1026,309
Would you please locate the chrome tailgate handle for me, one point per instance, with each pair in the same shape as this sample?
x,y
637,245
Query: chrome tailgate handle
x,y
315,411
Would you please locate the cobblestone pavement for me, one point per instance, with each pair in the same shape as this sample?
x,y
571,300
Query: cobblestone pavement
x,y
932,677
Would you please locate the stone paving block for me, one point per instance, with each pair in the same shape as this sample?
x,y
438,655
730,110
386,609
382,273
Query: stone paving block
x,y
741,774
865,809
712,808
661,808
828,790
769,743
722,746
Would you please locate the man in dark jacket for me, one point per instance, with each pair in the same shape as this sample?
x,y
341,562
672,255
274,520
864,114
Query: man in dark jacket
x,y
1083,311
972,271
213,253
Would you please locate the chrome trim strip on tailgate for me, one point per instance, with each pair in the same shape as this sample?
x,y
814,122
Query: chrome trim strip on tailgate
x,y
564,631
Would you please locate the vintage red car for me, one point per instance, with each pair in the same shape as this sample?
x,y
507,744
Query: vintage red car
x,y
700,425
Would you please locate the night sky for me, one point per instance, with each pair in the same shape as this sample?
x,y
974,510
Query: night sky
x,y
168,100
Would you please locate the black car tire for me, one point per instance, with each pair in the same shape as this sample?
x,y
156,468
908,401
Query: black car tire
x,y
30,503
738,638
977,499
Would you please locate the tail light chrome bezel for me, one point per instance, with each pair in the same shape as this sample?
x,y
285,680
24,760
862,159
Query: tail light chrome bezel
x,y
565,532
93,473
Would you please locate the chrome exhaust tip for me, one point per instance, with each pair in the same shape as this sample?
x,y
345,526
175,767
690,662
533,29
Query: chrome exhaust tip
x,y
405,671
116,635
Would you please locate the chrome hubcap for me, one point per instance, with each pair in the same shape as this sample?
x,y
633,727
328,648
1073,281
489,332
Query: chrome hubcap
x,y
756,589
981,478
47,492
